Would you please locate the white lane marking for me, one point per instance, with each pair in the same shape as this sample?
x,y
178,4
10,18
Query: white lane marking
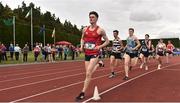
x,y
129,81
38,71
39,75
51,90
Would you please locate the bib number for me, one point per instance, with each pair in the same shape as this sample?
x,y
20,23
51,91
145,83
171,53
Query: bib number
x,y
160,50
116,48
144,49
89,45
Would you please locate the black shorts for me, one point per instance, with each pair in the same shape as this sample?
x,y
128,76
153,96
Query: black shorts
x,y
132,55
146,54
116,55
160,53
89,57
169,52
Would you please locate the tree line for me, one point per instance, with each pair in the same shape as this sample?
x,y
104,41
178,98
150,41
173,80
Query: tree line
x,y
64,31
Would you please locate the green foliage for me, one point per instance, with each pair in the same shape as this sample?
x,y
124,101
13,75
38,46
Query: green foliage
x,y
64,31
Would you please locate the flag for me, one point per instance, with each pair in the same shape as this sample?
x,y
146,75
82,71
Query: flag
x,y
29,13
8,22
42,29
53,33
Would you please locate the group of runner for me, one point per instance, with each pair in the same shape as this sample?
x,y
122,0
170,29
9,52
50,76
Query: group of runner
x,y
133,50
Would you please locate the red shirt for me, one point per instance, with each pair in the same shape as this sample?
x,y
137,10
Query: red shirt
x,y
170,47
91,40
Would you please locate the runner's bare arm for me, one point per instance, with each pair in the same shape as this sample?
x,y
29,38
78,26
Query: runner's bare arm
x,y
164,46
103,33
156,49
149,45
138,44
121,43
82,40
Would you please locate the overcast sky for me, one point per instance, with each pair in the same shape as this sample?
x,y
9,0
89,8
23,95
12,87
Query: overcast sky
x,y
159,18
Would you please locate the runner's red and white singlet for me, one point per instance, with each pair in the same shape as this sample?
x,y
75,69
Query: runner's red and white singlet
x,y
91,40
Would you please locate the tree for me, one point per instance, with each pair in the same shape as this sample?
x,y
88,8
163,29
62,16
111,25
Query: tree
x,y
64,31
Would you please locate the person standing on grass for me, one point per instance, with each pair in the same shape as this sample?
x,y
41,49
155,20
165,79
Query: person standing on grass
x,y
49,52
160,52
53,52
65,50
17,51
169,50
144,51
131,52
36,52
25,52
60,52
3,50
117,47
72,48
91,44
11,50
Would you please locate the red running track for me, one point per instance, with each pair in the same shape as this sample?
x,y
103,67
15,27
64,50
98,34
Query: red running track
x,y
62,82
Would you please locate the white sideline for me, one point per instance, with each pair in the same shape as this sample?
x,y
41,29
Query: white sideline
x,y
129,81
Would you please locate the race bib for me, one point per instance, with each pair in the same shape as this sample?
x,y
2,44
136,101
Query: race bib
x,y
160,49
129,50
144,49
116,48
89,45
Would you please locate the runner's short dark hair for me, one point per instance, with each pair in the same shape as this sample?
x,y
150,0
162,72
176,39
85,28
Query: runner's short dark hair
x,y
131,29
147,35
94,13
116,31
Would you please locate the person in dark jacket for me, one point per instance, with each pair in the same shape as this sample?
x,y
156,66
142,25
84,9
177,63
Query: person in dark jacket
x,y
11,51
25,52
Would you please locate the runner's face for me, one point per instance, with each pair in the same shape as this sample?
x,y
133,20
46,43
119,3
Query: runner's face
x,y
161,40
146,37
115,34
131,32
92,19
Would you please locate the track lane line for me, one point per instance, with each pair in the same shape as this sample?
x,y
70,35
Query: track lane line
x,y
129,81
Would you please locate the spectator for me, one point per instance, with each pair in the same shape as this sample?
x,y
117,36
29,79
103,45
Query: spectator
x,y
43,53
53,52
11,50
46,52
36,52
25,52
72,51
49,53
3,50
65,52
60,51
17,51
77,51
